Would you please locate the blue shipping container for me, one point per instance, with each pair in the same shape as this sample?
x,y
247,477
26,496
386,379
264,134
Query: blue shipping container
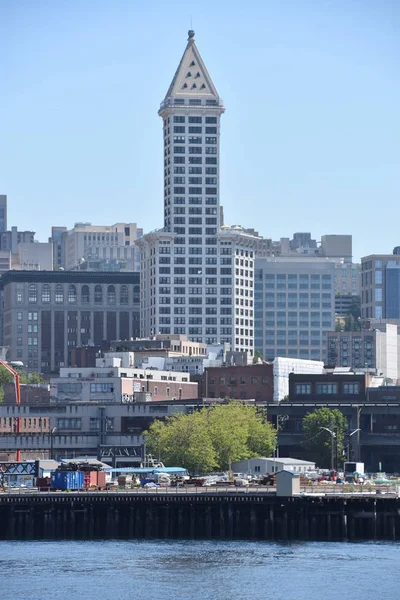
x,y
67,480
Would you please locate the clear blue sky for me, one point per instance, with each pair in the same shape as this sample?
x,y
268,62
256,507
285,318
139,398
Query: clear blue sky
x,y
310,137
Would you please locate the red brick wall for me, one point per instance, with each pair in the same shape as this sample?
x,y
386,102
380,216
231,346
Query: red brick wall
x,y
240,382
30,394
27,424
189,389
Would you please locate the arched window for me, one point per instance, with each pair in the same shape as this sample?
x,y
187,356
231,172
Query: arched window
x,y
45,292
32,292
123,294
98,294
72,293
111,294
59,295
85,294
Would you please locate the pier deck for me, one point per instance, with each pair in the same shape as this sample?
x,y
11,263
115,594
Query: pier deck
x,y
198,514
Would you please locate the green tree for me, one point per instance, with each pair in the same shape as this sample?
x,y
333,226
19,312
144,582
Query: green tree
x,y
238,432
32,378
318,440
350,323
212,438
257,356
355,309
339,324
5,377
183,441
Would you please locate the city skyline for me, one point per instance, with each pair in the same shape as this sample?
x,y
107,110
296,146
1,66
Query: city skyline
x,y
326,90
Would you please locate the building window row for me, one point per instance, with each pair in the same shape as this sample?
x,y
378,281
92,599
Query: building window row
x,y
327,388
71,294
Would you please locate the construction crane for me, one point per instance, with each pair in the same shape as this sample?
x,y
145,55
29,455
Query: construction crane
x,y
17,384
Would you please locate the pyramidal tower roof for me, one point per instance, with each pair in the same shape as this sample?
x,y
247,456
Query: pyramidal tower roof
x,y
191,78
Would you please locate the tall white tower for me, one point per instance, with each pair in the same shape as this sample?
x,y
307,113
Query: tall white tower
x,y
188,283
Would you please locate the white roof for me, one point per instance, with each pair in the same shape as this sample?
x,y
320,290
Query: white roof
x,y
290,461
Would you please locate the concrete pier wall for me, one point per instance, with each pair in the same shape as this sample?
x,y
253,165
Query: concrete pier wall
x,y
197,516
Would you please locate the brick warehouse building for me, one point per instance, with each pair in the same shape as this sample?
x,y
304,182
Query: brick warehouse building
x,y
242,382
48,313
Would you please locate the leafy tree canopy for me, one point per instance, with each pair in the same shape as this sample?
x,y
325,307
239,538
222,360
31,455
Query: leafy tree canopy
x,y
212,437
5,377
32,378
318,440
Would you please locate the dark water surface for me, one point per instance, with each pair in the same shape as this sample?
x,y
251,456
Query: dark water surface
x,y
209,570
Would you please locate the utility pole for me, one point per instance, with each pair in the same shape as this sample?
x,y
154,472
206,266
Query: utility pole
x,y
333,436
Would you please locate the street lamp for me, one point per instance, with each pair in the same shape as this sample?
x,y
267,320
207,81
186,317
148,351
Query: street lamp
x,y
52,432
333,436
348,446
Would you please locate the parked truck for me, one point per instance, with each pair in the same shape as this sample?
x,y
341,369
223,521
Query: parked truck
x,y
353,471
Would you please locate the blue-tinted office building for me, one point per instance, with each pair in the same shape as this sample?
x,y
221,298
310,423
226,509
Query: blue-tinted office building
x,y
380,286
294,300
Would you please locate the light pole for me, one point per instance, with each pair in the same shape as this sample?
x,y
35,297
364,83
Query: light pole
x,y
333,436
348,447
52,432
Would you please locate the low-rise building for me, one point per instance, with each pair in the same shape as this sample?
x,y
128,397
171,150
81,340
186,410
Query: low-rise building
x,y
372,415
32,393
239,382
263,381
194,365
111,431
165,344
261,466
116,379
335,387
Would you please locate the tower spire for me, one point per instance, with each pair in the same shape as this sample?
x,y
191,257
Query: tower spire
x,y
191,78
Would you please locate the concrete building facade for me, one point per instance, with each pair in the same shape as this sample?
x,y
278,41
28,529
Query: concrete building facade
x,y
197,275
371,349
97,247
47,313
110,431
337,246
116,379
9,240
294,306
35,256
348,279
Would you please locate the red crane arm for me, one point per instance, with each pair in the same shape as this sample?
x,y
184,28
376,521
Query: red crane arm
x,y
16,379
